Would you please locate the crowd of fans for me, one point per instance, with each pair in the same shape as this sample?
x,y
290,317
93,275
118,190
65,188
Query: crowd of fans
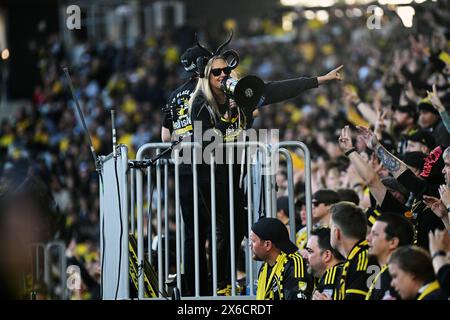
x,y
395,81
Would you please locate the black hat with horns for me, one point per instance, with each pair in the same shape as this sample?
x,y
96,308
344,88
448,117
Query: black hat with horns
x,y
230,56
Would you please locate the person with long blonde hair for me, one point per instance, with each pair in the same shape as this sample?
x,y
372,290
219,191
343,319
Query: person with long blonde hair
x,y
212,108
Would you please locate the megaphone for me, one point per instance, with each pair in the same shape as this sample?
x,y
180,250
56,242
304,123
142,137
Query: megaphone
x,y
247,92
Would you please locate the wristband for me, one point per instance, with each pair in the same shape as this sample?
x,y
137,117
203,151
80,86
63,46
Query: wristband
x,y
439,253
347,153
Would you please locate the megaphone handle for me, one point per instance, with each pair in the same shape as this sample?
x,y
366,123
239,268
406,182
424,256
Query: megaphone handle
x,y
227,101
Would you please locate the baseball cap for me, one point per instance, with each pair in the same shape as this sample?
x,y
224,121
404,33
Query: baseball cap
x,y
423,137
410,109
326,196
425,105
274,230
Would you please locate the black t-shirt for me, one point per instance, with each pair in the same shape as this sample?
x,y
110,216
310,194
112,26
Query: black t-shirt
x,y
390,204
224,130
440,134
178,119
423,218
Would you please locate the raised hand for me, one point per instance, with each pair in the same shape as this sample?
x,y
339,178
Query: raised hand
x,y
335,74
368,136
444,192
331,76
345,141
435,101
410,93
435,205
380,124
439,240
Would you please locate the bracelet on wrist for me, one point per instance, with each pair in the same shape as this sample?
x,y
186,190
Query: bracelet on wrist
x,y
347,153
439,253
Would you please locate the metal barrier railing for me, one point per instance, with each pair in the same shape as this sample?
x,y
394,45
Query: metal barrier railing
x,y
308,193
136,204
269,193
44,261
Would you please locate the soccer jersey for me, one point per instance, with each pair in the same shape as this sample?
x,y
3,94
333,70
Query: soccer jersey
x,y
353,282
329,282
286,280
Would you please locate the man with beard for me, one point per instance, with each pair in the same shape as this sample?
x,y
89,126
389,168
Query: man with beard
x,y
389,232
282,275
405,119
420,141
324,261
430,120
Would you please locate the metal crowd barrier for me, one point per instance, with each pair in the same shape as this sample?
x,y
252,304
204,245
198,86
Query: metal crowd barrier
x,y
136,213
44,252
281,147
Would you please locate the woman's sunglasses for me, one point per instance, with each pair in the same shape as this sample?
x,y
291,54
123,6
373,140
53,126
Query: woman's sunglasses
x,y
218,71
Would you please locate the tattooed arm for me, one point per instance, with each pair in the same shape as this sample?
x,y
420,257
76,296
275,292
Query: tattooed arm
x,y
395,166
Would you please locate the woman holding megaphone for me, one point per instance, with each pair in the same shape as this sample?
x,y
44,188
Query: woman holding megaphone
x,y
213,107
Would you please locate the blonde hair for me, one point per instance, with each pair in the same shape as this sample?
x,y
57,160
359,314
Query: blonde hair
x,y
203,87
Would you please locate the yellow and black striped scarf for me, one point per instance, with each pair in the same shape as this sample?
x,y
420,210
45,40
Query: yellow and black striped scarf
x,y
358,252
267,283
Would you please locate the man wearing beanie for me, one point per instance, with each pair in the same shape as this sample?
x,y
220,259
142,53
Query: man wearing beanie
x,y
283,274
405,121
415,161
420,141
429,119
